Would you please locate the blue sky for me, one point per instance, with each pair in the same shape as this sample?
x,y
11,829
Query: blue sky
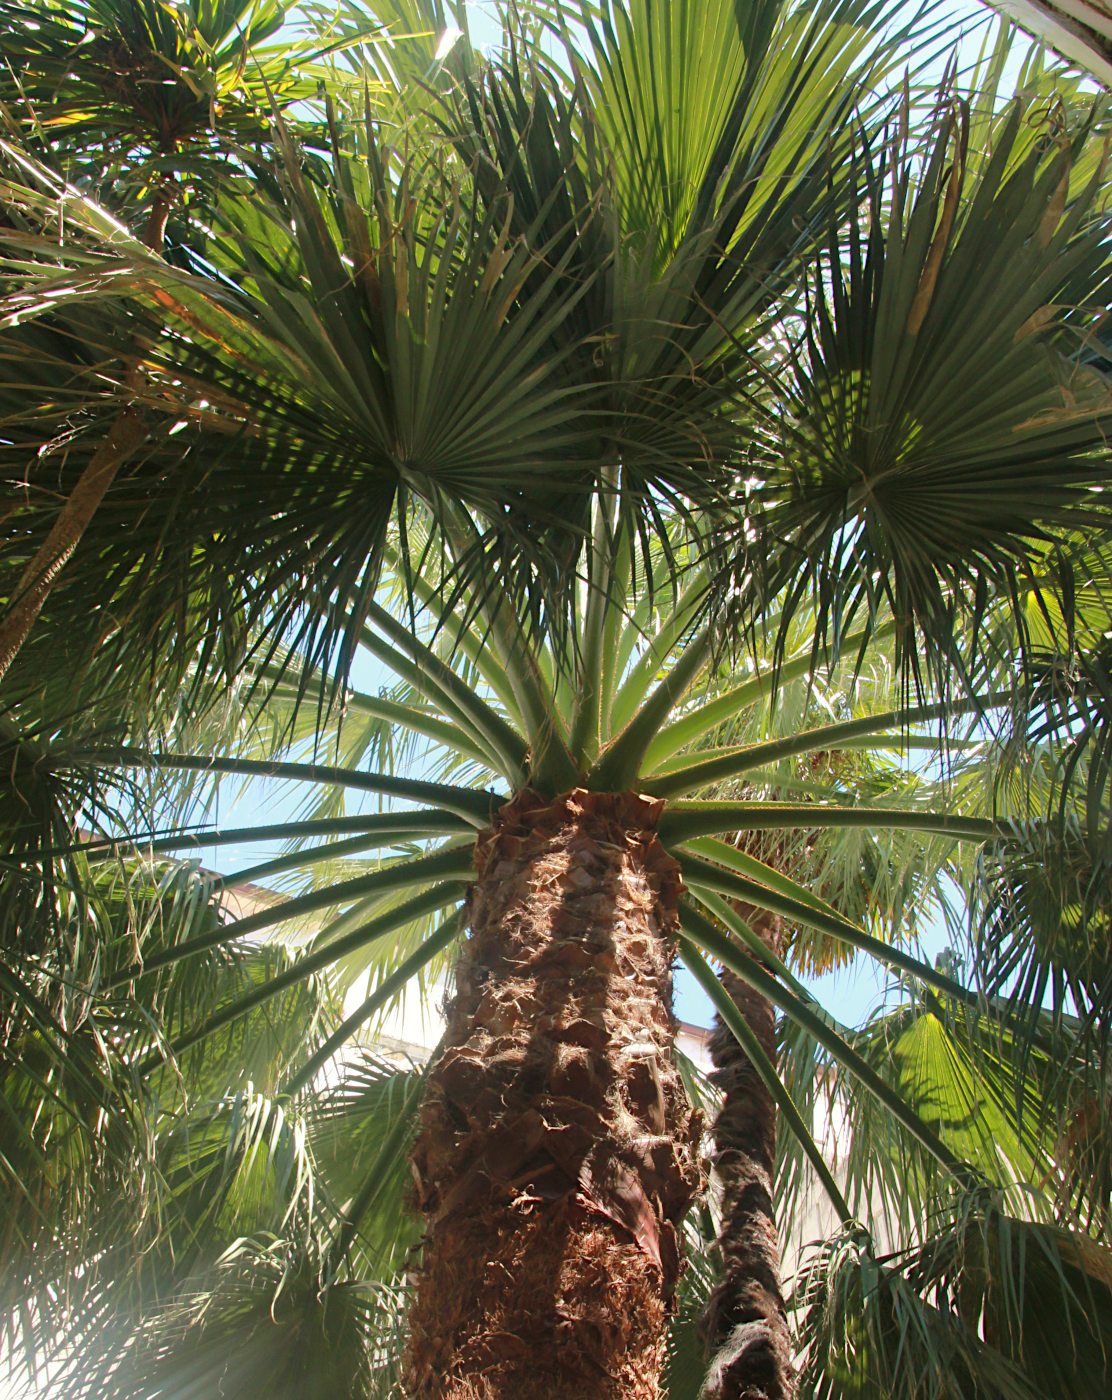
x,y
850,994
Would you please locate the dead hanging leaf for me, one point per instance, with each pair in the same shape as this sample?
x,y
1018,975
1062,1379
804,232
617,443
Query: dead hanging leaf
x,y
1086,1254
1094,400
1037,321
1057,206
612,1189
1061,416
924,293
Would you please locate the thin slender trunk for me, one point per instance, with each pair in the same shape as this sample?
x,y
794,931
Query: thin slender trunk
x,y
745,1321
78,509
558,1150
154,234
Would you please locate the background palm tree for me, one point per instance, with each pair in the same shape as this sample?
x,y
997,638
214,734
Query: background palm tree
x,y
141,104
637,340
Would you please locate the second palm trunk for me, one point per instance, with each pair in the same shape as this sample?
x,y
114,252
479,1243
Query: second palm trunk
x,y
558,1150
745,1321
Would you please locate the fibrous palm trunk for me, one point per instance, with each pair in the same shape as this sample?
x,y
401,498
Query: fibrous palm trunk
x,y
745,1321
558,1150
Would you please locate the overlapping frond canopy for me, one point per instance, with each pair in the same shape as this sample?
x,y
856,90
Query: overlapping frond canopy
x,y
487,312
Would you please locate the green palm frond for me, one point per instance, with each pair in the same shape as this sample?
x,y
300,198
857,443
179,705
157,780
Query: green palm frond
x,y
1041,917
259,1320
991,1305
902,481
159,93
360,1132
424,317
969,1078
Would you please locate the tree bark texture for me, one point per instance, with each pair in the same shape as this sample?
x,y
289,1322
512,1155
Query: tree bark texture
x,y
745,1321
558,1151
77,511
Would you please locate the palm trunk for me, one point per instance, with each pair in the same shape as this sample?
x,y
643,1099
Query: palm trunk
x,y
745,1321
558,1151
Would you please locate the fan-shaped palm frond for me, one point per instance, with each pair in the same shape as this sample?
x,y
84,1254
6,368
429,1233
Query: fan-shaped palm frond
x,y
878,477
990,1305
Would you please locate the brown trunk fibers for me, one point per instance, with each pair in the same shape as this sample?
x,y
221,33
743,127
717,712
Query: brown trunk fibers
x,y
558,1150
745,1322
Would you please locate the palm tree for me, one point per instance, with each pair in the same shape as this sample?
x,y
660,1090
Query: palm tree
x,y
143,104
470,707
588,388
